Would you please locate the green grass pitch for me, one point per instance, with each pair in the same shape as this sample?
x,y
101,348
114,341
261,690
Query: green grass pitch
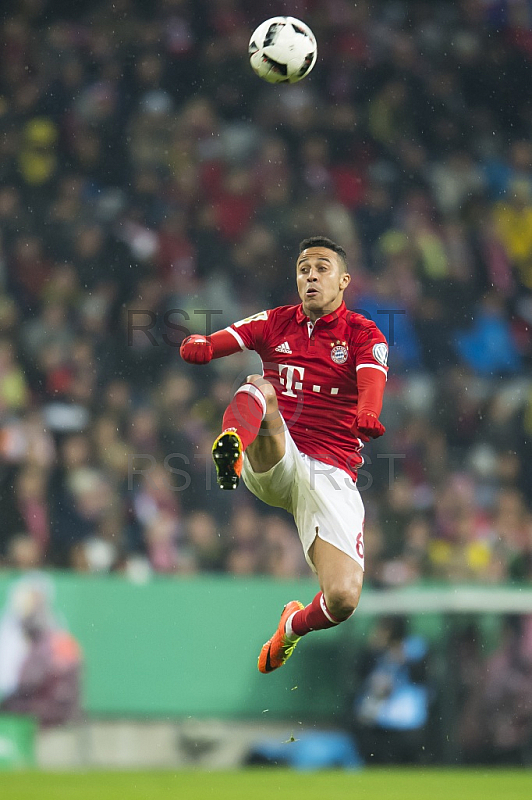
x,y
270,784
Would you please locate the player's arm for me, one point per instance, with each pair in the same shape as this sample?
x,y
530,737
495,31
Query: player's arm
x,y
245,334
371,384
372,370
198,349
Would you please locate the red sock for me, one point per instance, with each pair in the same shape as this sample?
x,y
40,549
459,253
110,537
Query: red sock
x,y
245,413
314,617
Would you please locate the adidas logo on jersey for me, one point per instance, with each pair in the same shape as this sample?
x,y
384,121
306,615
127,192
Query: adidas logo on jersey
x,y
284,348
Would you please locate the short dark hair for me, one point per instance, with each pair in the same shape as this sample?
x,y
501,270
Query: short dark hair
x,y
324,241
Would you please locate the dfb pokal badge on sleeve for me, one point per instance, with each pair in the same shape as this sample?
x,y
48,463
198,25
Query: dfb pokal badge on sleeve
x,y
380,352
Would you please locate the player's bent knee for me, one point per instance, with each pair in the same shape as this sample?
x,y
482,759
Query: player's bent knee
x,y
342,599
266,388
342,605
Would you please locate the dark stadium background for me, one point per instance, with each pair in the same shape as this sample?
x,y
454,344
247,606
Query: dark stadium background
x,y
147,177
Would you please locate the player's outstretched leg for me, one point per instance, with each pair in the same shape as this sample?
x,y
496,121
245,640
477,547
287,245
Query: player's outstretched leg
x,y
277,650
341,581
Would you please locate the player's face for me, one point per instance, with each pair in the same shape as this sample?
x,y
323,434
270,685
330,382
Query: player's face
x,y
321,281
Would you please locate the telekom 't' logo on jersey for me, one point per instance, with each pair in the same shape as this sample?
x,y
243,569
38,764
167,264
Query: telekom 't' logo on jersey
x,y
290,384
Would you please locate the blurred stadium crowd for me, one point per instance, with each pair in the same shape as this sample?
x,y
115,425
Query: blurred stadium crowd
x,y
150,184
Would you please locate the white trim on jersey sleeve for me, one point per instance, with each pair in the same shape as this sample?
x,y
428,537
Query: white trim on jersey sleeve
x,y
238,338
372,366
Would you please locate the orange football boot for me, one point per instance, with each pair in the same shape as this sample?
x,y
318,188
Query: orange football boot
x,y
279,648
227,455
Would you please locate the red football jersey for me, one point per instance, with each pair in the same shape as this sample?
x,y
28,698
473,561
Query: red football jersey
x,y
314,371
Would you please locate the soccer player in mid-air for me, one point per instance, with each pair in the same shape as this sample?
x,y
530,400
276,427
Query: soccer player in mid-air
x,y
295,433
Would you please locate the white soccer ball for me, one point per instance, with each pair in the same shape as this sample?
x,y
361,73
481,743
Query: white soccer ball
x,y
282,50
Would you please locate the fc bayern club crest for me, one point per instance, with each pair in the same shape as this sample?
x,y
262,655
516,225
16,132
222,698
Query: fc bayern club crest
x,y
339,352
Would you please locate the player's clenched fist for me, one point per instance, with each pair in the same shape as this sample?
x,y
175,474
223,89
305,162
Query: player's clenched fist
x,y
196,349
369,425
